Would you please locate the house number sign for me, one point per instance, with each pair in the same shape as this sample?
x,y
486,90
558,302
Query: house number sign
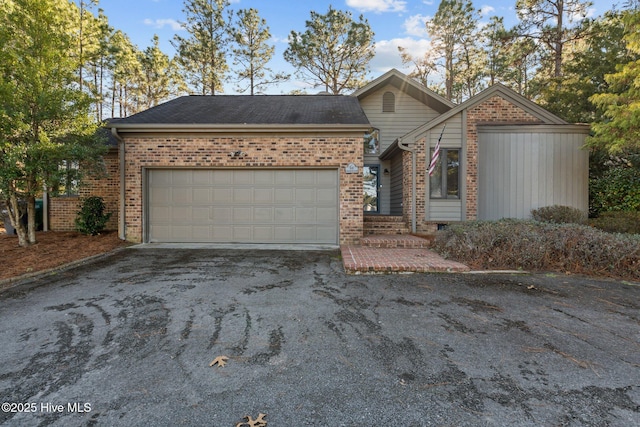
x,y
351,168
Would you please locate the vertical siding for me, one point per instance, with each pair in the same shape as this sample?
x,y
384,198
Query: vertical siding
x,y
396,185
523,170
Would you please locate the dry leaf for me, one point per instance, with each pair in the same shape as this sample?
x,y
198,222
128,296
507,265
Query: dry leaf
x,y
220,361
258,422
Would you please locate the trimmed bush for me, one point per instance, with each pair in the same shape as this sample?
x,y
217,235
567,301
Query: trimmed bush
x,y
618,222
558,214
537,246
91,218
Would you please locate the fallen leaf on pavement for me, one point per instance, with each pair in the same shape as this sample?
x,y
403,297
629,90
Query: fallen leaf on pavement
x,y
220,361
258,422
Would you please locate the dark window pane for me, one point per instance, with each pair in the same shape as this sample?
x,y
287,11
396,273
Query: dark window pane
x,y
453,173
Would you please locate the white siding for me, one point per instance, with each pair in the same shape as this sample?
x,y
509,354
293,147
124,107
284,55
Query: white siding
x,y
537,166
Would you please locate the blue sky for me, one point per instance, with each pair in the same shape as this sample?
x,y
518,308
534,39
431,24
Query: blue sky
x,y
395,22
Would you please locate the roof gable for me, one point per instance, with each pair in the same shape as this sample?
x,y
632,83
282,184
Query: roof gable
x,y
226,110
505,93
409,86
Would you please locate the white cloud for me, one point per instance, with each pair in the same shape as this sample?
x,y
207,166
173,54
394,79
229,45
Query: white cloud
x,y
377,6
161,23
416,25
388,56
487,10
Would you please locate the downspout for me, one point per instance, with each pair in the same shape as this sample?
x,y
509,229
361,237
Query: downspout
x,y
122,225
413,182
45,208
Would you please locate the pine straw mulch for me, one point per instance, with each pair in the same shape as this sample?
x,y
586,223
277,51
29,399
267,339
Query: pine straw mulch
x,y
53,249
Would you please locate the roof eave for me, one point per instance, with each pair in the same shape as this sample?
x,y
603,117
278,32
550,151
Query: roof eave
x,y
239,128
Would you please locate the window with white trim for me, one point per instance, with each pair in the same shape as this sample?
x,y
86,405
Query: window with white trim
x,y
444,183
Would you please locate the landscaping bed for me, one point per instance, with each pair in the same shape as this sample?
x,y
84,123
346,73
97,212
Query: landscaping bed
x,y
53,249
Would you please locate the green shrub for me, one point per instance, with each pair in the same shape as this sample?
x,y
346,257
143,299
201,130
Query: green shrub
x,y
618,222
617,189
558,214
537,246
91,218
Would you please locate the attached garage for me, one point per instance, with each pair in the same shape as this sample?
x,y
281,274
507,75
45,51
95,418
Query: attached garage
x,y
243,205
243,169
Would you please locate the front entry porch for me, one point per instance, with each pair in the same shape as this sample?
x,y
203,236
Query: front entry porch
x,y
388,247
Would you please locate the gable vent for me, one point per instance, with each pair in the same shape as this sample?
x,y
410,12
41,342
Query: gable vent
x,y
388,102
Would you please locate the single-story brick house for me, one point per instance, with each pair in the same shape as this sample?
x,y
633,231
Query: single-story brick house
x,y
295,168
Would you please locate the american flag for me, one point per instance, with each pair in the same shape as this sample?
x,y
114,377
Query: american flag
x,y
436,154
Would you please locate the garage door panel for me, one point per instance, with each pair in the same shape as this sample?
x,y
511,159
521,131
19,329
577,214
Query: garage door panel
x,y
242,234
243,206
263,215
222,195
201,214
243,214
284,195
221,178
305,178
243,195
284,215
326,196
242,177
326,215
263,233
305,195
202,178
263,196
284,177
201,196
305,215
182,178
181,196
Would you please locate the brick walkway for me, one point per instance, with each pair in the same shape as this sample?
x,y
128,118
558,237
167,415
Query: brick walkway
x,y
393,254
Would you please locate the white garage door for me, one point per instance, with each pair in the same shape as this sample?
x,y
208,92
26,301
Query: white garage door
x,y
243,206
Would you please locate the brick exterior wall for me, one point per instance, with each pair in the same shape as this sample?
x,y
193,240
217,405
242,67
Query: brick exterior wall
x,y
262,151
495,110
63,210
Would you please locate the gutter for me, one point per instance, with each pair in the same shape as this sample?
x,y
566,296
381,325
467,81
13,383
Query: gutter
x,y
413,183
122,225
239,127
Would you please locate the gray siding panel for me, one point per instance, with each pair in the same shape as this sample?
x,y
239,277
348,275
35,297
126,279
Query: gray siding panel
x,y
521,171
396,185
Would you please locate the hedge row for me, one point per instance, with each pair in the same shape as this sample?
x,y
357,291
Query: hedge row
x,y
538,246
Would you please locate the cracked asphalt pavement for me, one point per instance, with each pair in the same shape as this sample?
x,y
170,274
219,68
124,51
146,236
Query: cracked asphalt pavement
x,y
127,341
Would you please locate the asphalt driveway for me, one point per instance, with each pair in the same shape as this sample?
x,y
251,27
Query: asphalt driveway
x,y
128,341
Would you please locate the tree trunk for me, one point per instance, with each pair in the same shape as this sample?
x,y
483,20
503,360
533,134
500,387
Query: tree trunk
x,y
14,215
31,219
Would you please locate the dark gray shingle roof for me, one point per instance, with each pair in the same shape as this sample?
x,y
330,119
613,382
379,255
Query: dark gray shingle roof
x,y
254,110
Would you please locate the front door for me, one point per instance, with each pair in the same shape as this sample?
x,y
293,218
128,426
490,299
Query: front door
x,y
371,183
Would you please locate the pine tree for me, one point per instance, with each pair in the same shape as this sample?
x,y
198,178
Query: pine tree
x,y
253,52
453,32
334,51
203,55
